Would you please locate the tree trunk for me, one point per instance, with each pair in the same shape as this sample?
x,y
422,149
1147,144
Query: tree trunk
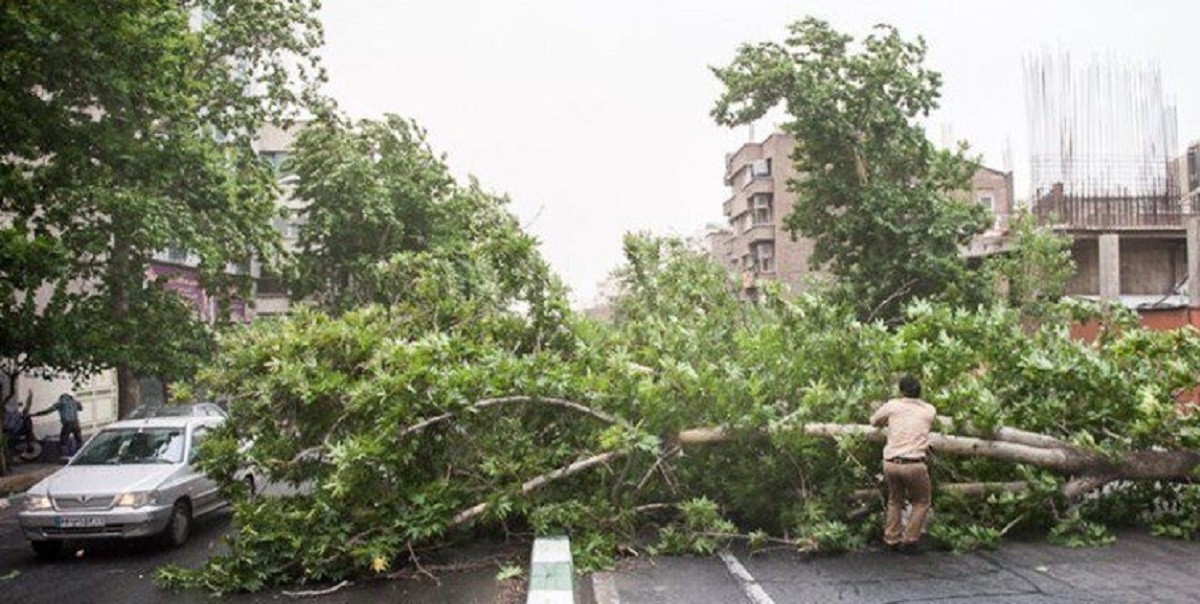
x,y
128,390
127,384
1088,470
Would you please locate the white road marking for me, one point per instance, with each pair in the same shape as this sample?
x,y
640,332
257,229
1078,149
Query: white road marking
x,y
749,585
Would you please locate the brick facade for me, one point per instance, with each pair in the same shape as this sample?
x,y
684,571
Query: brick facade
x,y
757,247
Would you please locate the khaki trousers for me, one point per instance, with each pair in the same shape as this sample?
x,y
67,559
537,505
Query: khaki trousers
x,y
905,481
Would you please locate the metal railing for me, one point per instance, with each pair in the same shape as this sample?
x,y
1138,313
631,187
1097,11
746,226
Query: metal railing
x,y
1114,212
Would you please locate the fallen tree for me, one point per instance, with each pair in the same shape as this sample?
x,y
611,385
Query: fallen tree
x,y
1087,470
693,417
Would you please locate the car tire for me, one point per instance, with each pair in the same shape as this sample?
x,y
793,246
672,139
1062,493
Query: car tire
x,y
179,527
47,550
29,451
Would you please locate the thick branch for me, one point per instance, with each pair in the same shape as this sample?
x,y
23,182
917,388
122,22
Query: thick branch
x,y
1062,458
967,489
540,481
489,402
1083,485
1003,433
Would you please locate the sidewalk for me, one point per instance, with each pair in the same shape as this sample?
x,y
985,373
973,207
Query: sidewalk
x,y
21,477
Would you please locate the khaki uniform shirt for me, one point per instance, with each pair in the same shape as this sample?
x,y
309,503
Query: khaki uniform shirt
x,y
908,421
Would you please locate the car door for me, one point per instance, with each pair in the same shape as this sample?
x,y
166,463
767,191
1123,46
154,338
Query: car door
x,y
204,491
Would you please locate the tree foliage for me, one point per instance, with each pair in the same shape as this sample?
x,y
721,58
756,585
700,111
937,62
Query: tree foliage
x,y
411,424
129,129
1036,270
378,204
872,192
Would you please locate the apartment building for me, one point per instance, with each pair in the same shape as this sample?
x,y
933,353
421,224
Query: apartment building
x,y
757,247
993,190
274,144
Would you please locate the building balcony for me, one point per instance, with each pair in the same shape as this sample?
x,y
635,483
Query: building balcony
x,y
760,232
1154,212
739,159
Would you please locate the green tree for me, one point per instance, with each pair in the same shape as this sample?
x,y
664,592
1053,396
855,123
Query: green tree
x,y
377,203
369,190
1036,271
129,129
873,193
30,339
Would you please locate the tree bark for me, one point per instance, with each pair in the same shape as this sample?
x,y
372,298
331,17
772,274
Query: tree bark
x,y
1087,469
128,393
128,390
540,481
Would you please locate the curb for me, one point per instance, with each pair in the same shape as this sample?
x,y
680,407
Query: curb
x,y
551,572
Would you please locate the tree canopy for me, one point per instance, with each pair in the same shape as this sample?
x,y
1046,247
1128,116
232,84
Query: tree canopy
x,y
377,202
129,130
872,192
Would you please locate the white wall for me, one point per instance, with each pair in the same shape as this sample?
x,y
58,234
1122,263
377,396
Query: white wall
x,y
98,393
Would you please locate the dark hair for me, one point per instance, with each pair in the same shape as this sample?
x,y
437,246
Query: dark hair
x,y
910,387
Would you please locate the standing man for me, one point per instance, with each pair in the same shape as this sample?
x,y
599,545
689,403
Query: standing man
x,y
68,413
908,421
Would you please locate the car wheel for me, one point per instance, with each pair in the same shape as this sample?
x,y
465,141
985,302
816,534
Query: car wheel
x,y
29,451
47,550
179,528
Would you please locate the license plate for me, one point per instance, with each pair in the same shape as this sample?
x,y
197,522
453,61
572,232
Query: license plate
x,y
78,521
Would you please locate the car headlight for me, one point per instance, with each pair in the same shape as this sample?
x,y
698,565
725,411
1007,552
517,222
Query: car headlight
x,y
37,503
135,500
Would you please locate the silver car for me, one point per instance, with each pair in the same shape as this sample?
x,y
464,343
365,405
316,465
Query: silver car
x,y
132,479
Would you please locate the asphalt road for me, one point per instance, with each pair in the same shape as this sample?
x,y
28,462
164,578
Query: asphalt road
x,y
1138,568
124,572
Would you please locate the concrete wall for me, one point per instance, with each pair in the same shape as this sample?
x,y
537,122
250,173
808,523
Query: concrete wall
x,y
1152,266
1148,266
1086,280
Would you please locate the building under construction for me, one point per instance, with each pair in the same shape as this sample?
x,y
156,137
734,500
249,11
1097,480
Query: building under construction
x,y
1103,170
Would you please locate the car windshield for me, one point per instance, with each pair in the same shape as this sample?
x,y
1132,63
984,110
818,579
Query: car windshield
x,y
133,446
184,410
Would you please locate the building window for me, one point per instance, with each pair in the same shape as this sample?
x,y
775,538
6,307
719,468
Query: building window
x,y
271,285
761,168
761,206
764,256
177,254
987,201
741,223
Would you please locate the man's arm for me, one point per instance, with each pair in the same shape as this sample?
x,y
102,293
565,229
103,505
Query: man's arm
x,y
880,416
50,409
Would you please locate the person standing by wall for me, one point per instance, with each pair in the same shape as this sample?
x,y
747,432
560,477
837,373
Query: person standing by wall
x,y
908,420
68,408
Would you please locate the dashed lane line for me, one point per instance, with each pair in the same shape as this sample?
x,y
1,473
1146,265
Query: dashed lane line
x,y
749,585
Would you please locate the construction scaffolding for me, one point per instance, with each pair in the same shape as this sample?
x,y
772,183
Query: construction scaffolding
x,y
1101,137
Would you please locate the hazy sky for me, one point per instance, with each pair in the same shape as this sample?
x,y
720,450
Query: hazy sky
x,y
593,116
